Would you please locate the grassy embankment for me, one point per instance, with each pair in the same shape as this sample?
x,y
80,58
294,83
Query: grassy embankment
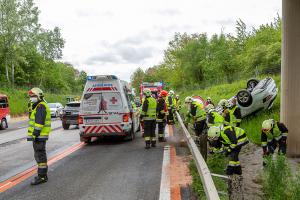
x,y
251,124
18,100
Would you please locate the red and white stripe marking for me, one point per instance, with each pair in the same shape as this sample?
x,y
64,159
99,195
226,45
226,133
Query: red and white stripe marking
x,y
102,89
103,129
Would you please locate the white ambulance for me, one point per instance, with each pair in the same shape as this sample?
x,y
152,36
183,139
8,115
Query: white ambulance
x,y
106,109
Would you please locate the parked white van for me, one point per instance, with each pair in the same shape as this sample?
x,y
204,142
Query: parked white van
x,y
106,109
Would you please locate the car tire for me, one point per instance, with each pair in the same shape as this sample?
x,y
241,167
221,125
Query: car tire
x,y
252,83
66,126
131,135
244,98
3,124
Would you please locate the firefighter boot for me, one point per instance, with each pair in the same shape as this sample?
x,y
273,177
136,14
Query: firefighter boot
x,y
147,145
39,180
153,143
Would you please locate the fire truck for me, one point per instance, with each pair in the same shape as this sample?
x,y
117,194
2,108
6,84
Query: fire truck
x,y
155,88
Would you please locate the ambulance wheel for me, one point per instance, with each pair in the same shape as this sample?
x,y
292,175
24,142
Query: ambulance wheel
x,y
85,140
3,124
131,135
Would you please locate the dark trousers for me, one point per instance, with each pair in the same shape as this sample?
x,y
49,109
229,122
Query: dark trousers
x,y
161,128
234,166
273,145
40,156
200,127
149,130
170,117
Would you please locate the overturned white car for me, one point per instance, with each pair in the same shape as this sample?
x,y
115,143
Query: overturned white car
x,y
257,96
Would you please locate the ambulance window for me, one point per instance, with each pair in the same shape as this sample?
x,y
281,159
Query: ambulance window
x,y
101,102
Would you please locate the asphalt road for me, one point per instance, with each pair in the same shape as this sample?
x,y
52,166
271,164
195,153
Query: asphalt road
x,y
107,169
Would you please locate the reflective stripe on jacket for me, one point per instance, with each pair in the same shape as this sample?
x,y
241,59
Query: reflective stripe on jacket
x,y
43,129
233,137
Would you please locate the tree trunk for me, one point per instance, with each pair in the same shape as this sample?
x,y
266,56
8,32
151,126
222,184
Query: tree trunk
x,y
12,74
6,69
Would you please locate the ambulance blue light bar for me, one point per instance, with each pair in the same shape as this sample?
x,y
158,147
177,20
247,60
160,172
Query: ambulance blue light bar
x,y
101,77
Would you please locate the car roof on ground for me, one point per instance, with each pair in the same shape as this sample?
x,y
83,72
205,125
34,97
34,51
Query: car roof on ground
x,y
3,95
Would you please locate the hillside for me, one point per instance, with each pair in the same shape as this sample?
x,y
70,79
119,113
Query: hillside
x,y
251,124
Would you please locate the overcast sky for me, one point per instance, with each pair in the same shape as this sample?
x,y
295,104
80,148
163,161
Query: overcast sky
x,y
118,36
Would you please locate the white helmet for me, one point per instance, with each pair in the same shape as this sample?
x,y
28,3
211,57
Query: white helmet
x,y
224,103
213,133
188,100
36,92
171,92
267,125
147,92
209,108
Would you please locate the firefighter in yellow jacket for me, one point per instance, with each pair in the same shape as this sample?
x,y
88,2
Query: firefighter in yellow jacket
x,y
38,132
148,115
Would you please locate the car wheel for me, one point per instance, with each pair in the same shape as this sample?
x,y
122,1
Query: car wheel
x,y
66,126
252,83
3,124
131,135
244,98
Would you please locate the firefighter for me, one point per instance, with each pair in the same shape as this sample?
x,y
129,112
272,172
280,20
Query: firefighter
x,y
161,115
235,115
213,117
232,139
171,103
209,101
178,103
196,115
224,104
38,132
148,115
273,134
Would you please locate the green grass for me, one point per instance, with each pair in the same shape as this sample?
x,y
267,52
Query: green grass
x,y
278,181
216,163
252,125
18,100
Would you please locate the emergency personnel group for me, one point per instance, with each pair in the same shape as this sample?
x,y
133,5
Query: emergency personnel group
x,y
222,126
224,133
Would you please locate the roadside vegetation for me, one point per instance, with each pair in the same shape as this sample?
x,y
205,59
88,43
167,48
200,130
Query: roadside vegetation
x,y
29,52
218,67
28,57
18,99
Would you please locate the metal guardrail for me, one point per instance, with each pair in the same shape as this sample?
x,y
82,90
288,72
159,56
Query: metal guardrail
x,y
205,175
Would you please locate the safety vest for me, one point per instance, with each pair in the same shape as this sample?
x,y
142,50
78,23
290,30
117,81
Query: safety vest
x,y
240,135
171,102
200,113
151,112
218,119
233,119
275,133
45,129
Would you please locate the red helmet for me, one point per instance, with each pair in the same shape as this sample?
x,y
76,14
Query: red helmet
x,y
163,93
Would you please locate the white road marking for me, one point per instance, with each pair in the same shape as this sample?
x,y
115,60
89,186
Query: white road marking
x,y
165,192
167,131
